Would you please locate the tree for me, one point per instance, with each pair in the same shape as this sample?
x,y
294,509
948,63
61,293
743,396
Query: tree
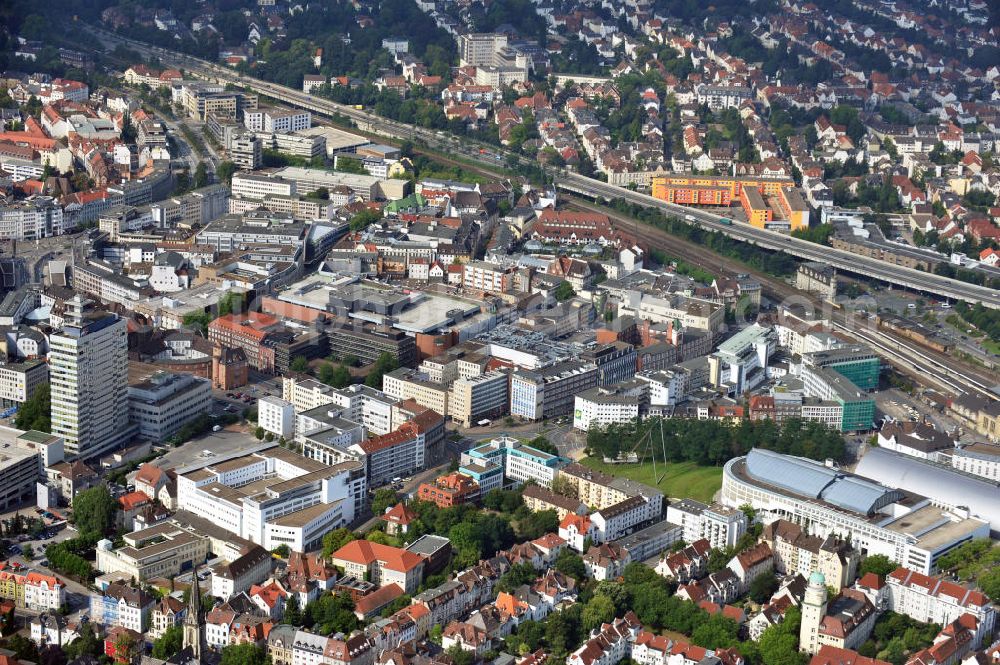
x,y
88,644
259,433
435,633
200,175
299,364
29,552
94,511
282,550
293,613
338,377
600,609
22,646
779,644
570,563
169,643
763,587
879,564
336,539
564,487
385,497
224,172
230,303
564,291
244,654
460,656
386,363
522,573
36,412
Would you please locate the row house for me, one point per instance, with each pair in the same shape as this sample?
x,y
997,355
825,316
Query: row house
x,y
687,564
122,605
608,644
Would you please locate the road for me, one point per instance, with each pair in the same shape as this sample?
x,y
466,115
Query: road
x,y
569,181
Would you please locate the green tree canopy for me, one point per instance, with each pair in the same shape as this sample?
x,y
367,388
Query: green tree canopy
x,y
94,511
36,412
169,643
244,654
336,539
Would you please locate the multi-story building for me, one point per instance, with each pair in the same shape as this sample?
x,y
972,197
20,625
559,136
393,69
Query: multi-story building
x,y
857,363
719,525
162,550
844,622
797,552
401,452
257,227
479,48
202,99
275,120
382,564
599,490
615,404
256,186
740,363
474,398
980,459
828,384
931,600
483,276
20,380
615,362
163,403
404,384
121,604
88,367
32,590
275,497
818,278
246,332
908,528
30,219
277,416
252,567
619,519
246,151
549,392
449,490
518,462
608,644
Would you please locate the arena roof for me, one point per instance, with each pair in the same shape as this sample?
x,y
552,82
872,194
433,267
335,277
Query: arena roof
x,y
816,481
935,482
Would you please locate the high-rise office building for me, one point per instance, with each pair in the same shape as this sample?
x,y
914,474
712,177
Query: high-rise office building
x,y
88,368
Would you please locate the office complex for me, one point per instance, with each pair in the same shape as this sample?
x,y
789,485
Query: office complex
x,y
88,365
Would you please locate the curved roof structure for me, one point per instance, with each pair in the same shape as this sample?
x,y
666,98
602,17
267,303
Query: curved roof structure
x,y
939,483
816,481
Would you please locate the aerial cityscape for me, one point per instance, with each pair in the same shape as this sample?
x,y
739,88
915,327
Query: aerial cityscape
x,y
500,332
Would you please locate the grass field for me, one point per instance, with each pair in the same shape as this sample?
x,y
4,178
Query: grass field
x,y
682,479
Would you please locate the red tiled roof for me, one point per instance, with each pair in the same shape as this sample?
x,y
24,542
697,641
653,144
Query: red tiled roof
x,y
364,552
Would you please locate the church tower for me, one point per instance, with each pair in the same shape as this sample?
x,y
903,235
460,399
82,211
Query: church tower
x,y
193,635
813,611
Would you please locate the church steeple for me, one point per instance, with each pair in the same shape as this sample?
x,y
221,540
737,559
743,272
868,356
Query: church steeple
x,y
193,634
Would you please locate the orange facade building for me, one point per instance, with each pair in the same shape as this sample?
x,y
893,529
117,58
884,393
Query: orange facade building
x,y
726,190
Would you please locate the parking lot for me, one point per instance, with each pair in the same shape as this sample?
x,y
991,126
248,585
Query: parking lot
x,y
201,450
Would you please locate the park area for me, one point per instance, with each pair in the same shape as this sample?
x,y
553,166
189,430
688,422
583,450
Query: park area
x,y
679,479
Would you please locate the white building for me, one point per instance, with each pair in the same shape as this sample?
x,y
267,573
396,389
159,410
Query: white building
x,y
275,497
163,403
620,519
931,600
878,520
276,121
276,416
980,459
720,526
740,363
606,405
88,368
30,219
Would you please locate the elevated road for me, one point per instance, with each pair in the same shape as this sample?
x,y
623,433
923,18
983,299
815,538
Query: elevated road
x,y
564,179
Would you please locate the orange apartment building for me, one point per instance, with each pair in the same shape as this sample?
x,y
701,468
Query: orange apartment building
x,y
726,190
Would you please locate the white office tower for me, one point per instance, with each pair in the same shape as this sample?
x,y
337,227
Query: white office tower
x,y
88,361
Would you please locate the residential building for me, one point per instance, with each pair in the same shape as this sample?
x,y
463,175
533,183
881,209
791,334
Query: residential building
x,y
721,526
20,380
608,644
382,564
931,600
276,416
844,622
610,405
25,456
237,576
797,552
124,605
549,391
449,490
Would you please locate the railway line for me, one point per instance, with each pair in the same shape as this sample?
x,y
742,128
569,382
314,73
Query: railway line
x,y
568,181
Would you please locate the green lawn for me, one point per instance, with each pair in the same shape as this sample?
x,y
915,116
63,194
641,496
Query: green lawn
x,y
682,479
